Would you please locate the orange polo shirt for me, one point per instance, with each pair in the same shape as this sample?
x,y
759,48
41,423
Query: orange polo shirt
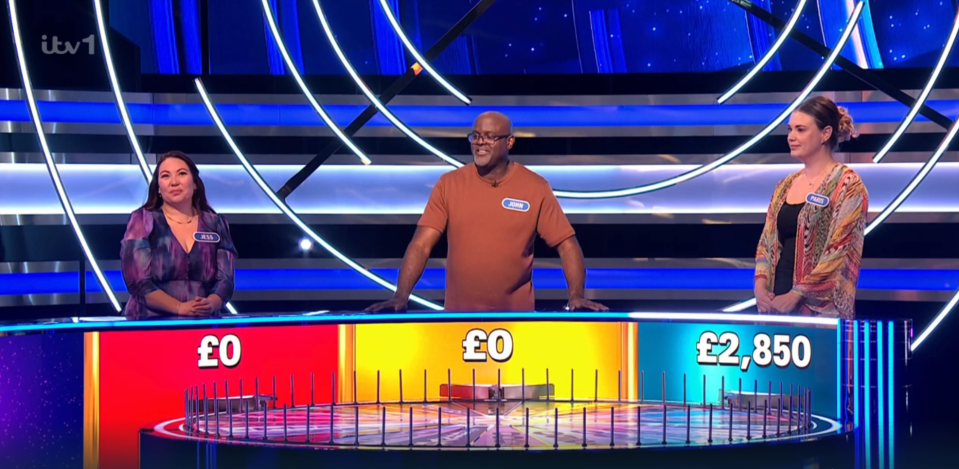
x,y
490,228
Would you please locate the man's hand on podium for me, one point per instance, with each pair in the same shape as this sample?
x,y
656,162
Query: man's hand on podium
x,y
580,304
392,305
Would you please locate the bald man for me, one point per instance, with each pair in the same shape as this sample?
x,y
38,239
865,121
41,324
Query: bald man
x,y
492,210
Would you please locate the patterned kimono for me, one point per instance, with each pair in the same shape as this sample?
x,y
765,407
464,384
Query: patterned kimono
x,y
828,244
152,259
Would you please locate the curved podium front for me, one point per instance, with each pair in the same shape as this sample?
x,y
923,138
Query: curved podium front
x,y
471,389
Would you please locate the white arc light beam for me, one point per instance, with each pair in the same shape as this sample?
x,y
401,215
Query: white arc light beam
x,y
924,95
291,66
837,49
935,322
287,210
369,93
847,32
419,58
115,84
51,164
758,67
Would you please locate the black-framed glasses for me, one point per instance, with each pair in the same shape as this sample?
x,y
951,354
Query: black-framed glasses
x,y
477,138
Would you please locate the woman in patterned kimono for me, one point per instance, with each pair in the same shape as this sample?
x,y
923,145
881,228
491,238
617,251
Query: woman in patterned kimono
x,y
177,255
808,257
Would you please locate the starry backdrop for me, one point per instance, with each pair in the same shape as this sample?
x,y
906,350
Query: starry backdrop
x,y
41,401
527,36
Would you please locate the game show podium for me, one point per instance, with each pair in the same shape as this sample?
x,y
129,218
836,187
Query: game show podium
x,y
464,388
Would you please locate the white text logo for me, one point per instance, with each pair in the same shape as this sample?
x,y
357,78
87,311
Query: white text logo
x,y
69,48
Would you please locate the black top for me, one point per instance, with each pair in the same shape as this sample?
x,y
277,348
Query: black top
x,y
788,225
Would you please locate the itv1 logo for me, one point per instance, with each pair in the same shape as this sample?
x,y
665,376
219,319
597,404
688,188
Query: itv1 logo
x,y
71,48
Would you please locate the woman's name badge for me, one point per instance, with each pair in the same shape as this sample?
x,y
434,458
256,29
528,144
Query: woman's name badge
x,y
816,199
202,237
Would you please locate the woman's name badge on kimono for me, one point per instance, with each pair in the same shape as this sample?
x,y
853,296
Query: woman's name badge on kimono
x,y
202,237
816,199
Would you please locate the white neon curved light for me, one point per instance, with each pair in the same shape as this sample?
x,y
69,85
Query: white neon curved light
x,y
419,58
366,89
121,104
921,99
115,84
211,110
916,180
767,56
51,165
913,184
740,306
837,49
935,322
291,66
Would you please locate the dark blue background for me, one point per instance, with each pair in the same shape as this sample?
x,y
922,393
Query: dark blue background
x,y
524,36
41,401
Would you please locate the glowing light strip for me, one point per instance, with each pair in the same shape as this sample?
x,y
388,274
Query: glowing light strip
x,y
122,106
916,180
740,306
766,57
398,29
839,361
121,322
855,372
935,322
287,210
857,41
51,165
867,396
891,397
369,93
837,49
880,390
291,66
921,99
761,318
115,84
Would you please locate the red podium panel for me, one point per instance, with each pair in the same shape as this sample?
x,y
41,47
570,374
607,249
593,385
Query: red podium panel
x,y
143,374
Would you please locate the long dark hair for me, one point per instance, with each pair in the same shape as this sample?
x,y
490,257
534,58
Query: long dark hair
x,y
154,201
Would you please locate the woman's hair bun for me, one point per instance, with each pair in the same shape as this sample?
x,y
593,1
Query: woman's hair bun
x,y
846,130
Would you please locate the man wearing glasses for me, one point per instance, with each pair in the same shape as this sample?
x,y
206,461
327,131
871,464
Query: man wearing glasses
x,y
492,210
